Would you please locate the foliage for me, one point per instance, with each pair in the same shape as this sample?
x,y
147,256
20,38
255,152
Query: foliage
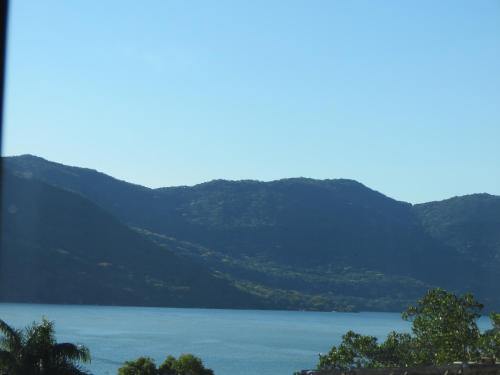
x,y
490,340
445,327
287,244
141,366
364,351
34,351
444,330
185,364
60,248
323,288
355,351
168,367
398,350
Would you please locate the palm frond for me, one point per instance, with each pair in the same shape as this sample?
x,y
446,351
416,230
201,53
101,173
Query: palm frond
x,y
12,338
72,352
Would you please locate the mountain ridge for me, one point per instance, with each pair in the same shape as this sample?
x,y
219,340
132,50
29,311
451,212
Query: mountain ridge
x,y
221,180
301,242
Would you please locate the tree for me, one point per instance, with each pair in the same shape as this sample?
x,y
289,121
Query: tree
x,y
444,330
141,366
168,367
34,351
398,350
355,351
186,364
490,340
358,351
445,327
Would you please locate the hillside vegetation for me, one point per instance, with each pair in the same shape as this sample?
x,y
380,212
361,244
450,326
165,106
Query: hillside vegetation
x,y
293,243
57,247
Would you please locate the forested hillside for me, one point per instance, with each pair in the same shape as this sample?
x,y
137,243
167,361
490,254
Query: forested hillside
x,y
299,243
57,247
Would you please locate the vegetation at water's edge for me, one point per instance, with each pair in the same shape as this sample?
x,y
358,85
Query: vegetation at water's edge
x,y
35,351
444,330
185,364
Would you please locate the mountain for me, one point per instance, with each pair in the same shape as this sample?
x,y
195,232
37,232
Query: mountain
x,y
303,243
58,247
471,226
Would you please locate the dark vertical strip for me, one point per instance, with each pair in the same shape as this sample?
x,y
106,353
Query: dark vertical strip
x,y
3,54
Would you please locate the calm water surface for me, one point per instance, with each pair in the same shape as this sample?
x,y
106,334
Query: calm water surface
x,y
231,342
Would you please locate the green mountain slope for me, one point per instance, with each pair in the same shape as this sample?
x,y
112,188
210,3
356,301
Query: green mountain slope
x,y
283,286
303,243
58,247
470,225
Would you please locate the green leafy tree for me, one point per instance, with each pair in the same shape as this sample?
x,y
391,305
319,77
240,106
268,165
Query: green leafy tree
x,y
490,340
358,351
398,350
445,327
141,366
355,351
168,367
444,330
35,351
186,364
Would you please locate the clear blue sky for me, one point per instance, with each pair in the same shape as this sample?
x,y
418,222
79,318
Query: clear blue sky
x,y
403,96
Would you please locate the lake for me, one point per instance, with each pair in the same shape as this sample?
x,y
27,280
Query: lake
x,y
231,342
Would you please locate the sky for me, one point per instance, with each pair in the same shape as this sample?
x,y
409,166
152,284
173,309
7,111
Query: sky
x,y
403,96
